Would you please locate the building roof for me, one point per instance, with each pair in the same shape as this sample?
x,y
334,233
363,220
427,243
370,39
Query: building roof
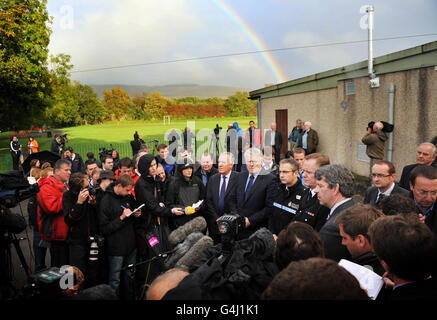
x,y
416,57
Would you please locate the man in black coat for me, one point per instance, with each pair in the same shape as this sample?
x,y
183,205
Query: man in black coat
x,y
220,194
287,198
407,255
254,193
383,177
335,187
77,164
425,155
116,223
274,139
310,210
15,148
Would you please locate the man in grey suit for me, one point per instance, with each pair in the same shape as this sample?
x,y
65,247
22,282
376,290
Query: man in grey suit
x,y
220,194
383,177
335,188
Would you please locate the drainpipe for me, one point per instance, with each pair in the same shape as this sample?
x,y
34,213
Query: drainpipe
x,y
391,97
258,109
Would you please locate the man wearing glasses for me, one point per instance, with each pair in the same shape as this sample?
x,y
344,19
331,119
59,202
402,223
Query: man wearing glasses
x,y
288,197
423,185
383,178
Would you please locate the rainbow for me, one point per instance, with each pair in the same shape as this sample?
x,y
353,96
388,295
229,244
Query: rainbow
x,y
253,38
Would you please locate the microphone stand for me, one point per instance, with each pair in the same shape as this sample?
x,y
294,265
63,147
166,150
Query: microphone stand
x,y
132,267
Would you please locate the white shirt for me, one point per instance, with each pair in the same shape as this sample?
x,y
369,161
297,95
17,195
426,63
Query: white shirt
x,y
272,140
387,192
227,180
337,205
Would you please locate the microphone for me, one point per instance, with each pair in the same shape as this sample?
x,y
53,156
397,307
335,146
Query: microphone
x,y
194,253
198,224
182,248
263,243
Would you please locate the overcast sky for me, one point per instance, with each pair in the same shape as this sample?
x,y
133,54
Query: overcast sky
x,y
112,33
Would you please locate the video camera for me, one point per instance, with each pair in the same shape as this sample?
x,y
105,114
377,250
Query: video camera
x,y
230,226
103,152
217,129
44,284
14,188
93,190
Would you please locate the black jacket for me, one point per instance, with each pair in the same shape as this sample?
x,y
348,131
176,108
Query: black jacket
x,y
209,174
54,148
183,193
81,219
154,218
119,235
77,164
290,199
369,258
311,211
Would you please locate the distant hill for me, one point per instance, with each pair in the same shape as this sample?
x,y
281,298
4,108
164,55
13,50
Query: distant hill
x,y
174,91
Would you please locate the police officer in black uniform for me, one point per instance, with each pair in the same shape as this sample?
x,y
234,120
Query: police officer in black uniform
x,y
288,197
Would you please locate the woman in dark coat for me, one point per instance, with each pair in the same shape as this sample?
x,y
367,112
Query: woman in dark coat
x,y
184,191
152,228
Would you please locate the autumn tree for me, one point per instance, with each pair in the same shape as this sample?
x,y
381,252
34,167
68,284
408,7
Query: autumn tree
x,y
117,103
91,108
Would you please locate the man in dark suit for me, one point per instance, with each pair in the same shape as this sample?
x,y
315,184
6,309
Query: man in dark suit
x,y
335,187
425,155
220,194
383,177
423,185
274,139
255,192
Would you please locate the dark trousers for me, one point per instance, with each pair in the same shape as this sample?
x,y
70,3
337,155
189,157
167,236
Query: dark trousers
x,y
93,271
15,160
277,154
38,252
59,253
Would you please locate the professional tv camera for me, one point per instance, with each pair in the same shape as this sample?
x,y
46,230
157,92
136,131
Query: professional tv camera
x,y
103,152
217,129
230,226
14,188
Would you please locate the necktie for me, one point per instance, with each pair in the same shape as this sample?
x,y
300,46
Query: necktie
x,y
249,186
380,197
221,202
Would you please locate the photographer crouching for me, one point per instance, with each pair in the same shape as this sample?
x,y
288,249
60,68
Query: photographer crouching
x,y
84,240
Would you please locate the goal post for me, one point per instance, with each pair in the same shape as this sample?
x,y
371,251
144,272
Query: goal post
x,y
166,118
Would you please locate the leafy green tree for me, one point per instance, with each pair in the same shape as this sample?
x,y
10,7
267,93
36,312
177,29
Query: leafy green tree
x,y
24,76
91,108
64,109
239,104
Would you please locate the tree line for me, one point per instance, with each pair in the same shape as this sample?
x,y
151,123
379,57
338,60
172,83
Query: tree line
x,y
36,88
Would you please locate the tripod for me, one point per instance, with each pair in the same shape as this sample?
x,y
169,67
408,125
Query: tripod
x,y
12,238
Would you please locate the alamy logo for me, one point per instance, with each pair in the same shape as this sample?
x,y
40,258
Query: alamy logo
x,y
67,280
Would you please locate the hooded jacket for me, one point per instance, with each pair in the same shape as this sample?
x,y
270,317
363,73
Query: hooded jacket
x,y
50,215
119,234
152,214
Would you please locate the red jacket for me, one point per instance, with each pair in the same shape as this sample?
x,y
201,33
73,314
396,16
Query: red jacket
x,y
133,175
257,137
50,201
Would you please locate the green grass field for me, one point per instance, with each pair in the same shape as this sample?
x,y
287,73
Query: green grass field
x,y
93,137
